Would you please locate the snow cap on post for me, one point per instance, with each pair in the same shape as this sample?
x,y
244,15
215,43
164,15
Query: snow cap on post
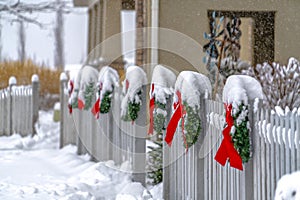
x,y
241,88
34,78
63,76
191,85
12,80
164,81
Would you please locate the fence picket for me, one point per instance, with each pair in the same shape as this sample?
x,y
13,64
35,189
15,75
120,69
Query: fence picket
x,y
14,103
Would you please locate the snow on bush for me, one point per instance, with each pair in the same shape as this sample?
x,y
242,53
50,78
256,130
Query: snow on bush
x,y
132,88
281,84
230,67
288,187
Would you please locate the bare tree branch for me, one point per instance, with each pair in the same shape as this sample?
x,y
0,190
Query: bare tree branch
x,y
20,10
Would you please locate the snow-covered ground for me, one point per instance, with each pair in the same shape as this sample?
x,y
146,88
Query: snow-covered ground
x,y
35,168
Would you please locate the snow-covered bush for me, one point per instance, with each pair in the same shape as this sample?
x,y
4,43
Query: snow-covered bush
x,y
281,84
230,67
132,89
189,87
288,187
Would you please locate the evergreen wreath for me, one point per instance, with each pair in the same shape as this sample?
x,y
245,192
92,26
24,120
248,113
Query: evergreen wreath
x,y
155,162
192,125
106,102
240,134
89,95
74,102
158,117
133,109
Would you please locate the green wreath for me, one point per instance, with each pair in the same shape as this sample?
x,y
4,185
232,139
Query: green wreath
x,y
240,137
89,95
133,109
192,125
158,117
106,102
74,102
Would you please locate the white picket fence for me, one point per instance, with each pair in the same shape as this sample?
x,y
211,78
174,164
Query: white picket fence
x,y
19,108
196,175
193,174
109,137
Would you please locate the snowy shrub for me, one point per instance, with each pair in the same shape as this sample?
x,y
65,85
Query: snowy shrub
x,y
288,187
280,83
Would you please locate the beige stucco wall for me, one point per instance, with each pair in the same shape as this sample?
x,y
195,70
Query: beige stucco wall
x,y
190,17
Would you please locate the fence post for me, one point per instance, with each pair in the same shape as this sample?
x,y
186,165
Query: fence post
x,y
139,146
63,82
166,153
200,181
35,101
11,82
249,175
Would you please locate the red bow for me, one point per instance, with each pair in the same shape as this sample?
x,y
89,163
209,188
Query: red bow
x,y
70,92
80,104
96,108
226,150
127,84
177,115
151,109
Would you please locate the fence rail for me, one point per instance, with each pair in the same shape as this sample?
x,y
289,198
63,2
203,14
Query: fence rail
x,y
19,108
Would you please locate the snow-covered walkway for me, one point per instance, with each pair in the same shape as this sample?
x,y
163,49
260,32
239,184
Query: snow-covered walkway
x,y
34,168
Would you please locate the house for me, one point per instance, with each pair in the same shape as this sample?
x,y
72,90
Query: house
x,y
270,30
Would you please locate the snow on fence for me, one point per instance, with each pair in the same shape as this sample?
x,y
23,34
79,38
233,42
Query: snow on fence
x,y
109,137
196,175
19,108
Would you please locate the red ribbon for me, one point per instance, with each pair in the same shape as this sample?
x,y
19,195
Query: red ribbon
x,y
96,108
177,115
127,84
226,150
70,92
71,87
80,104
151,110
